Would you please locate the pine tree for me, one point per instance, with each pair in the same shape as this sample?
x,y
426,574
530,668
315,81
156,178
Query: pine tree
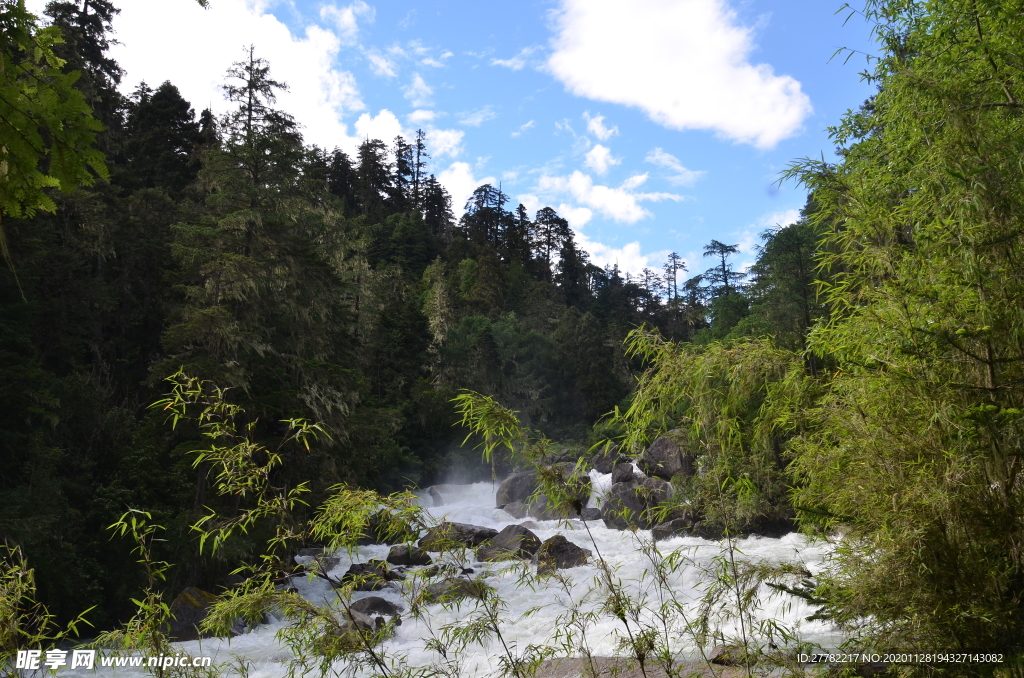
x,y
376,181
162,139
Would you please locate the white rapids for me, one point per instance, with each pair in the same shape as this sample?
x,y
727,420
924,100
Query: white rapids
x,y
265,657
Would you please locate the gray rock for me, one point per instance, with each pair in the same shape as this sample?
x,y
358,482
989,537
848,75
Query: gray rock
x,y
311,551
666,457
188,610
558,553
632,504
622,472
447,534
404,554
530,525
371,576
453,589
606,458
543,508
517,510
436,496
672,528
324,564
725,655
518,487
591,513
513,541
373,605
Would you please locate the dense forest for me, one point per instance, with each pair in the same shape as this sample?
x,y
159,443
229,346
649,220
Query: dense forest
x,y
864,375
313,285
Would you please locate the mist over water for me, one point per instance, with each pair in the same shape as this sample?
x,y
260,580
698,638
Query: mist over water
x,y
474,504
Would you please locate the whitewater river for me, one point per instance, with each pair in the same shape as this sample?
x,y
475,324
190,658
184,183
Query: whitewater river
x,y
264,656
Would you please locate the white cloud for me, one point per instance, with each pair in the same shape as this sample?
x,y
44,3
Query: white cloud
x,y
522,128
421,116
576,216
442,142
681,176
776,220
600,158
346,19
478,117
686,63
621,204
597,128
517,62
418,91
381,65
320,95
384,126
628,257
458,180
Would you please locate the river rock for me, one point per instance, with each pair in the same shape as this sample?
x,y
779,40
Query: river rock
x,y
631,504
591,513
725,655
518,487
435,496
371,576
189,610
622,472
441,537
666,457
513,541
606,458
517,510
453,589
375,605
558,553
404,554
672,528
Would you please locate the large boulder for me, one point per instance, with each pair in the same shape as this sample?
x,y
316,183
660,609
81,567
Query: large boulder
x,y
518,494
672,528
453,589
590,513
666,457
404,554
516,509
633,503
518,487
622,472
374,605
371,576
558,553
446,535
514,541
606,458
188,611
543,508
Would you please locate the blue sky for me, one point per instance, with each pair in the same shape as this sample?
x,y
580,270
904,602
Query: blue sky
x,y
652,125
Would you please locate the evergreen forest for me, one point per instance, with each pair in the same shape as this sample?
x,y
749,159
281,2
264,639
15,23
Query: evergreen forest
x,y
865,377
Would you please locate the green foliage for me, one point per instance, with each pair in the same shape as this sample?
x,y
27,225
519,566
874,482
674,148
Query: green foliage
x,y
25,622
243,467
733,405
47,127
916,448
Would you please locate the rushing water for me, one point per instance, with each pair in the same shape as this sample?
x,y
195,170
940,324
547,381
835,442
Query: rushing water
x,y
474,504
